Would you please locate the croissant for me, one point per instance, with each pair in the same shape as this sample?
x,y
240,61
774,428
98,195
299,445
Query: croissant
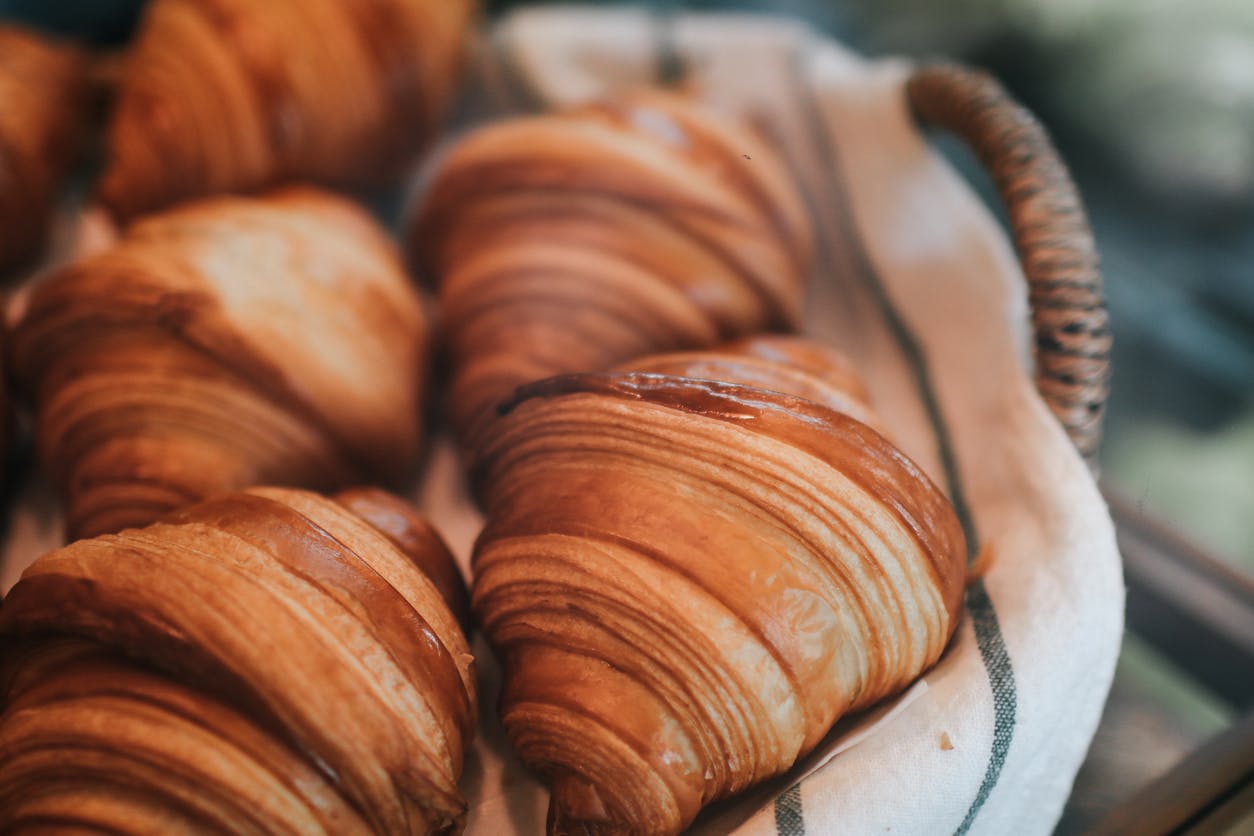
x,y
234,95
43,102
576,241
688,580
264,662
231,342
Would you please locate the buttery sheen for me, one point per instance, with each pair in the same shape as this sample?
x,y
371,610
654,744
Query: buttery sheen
x,y
265,662
690,579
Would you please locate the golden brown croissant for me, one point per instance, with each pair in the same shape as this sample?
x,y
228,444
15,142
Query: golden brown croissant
x,y
576,241
227,343
689,581
43,103
234,95
264,662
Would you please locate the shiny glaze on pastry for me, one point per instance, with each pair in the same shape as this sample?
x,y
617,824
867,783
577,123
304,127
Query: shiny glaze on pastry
x,y
226,343
794,365
264,662
689,581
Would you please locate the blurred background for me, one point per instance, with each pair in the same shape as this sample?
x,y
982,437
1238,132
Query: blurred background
x,y
1151,103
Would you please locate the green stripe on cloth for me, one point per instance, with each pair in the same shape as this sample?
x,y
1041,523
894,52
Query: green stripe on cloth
x,y
988,635
1001,678
789,820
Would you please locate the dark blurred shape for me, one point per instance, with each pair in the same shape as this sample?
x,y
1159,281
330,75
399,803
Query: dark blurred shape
x,y
95,21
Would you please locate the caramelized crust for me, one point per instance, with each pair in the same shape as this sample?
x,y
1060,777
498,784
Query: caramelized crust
x,y
227,343
44,103
792,365
265,662
576,241
235,95
416,538
689,581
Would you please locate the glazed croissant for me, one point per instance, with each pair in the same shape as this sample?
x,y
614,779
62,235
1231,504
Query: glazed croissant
x,y
689,581
576,241
234,95
264,662
43,102
227,343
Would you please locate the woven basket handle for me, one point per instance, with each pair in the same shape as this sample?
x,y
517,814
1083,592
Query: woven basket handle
x,y
1051,232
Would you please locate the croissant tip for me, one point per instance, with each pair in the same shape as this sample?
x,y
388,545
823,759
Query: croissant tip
x,y
577,809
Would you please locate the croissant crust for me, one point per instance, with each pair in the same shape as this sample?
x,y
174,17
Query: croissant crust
x,y
44,99
234,95
265,662
579,240
231,342
690,580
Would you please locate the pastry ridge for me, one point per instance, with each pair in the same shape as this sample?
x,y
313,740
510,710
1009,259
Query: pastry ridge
x,y
225,343
264,662
578,240
690,579
231,96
